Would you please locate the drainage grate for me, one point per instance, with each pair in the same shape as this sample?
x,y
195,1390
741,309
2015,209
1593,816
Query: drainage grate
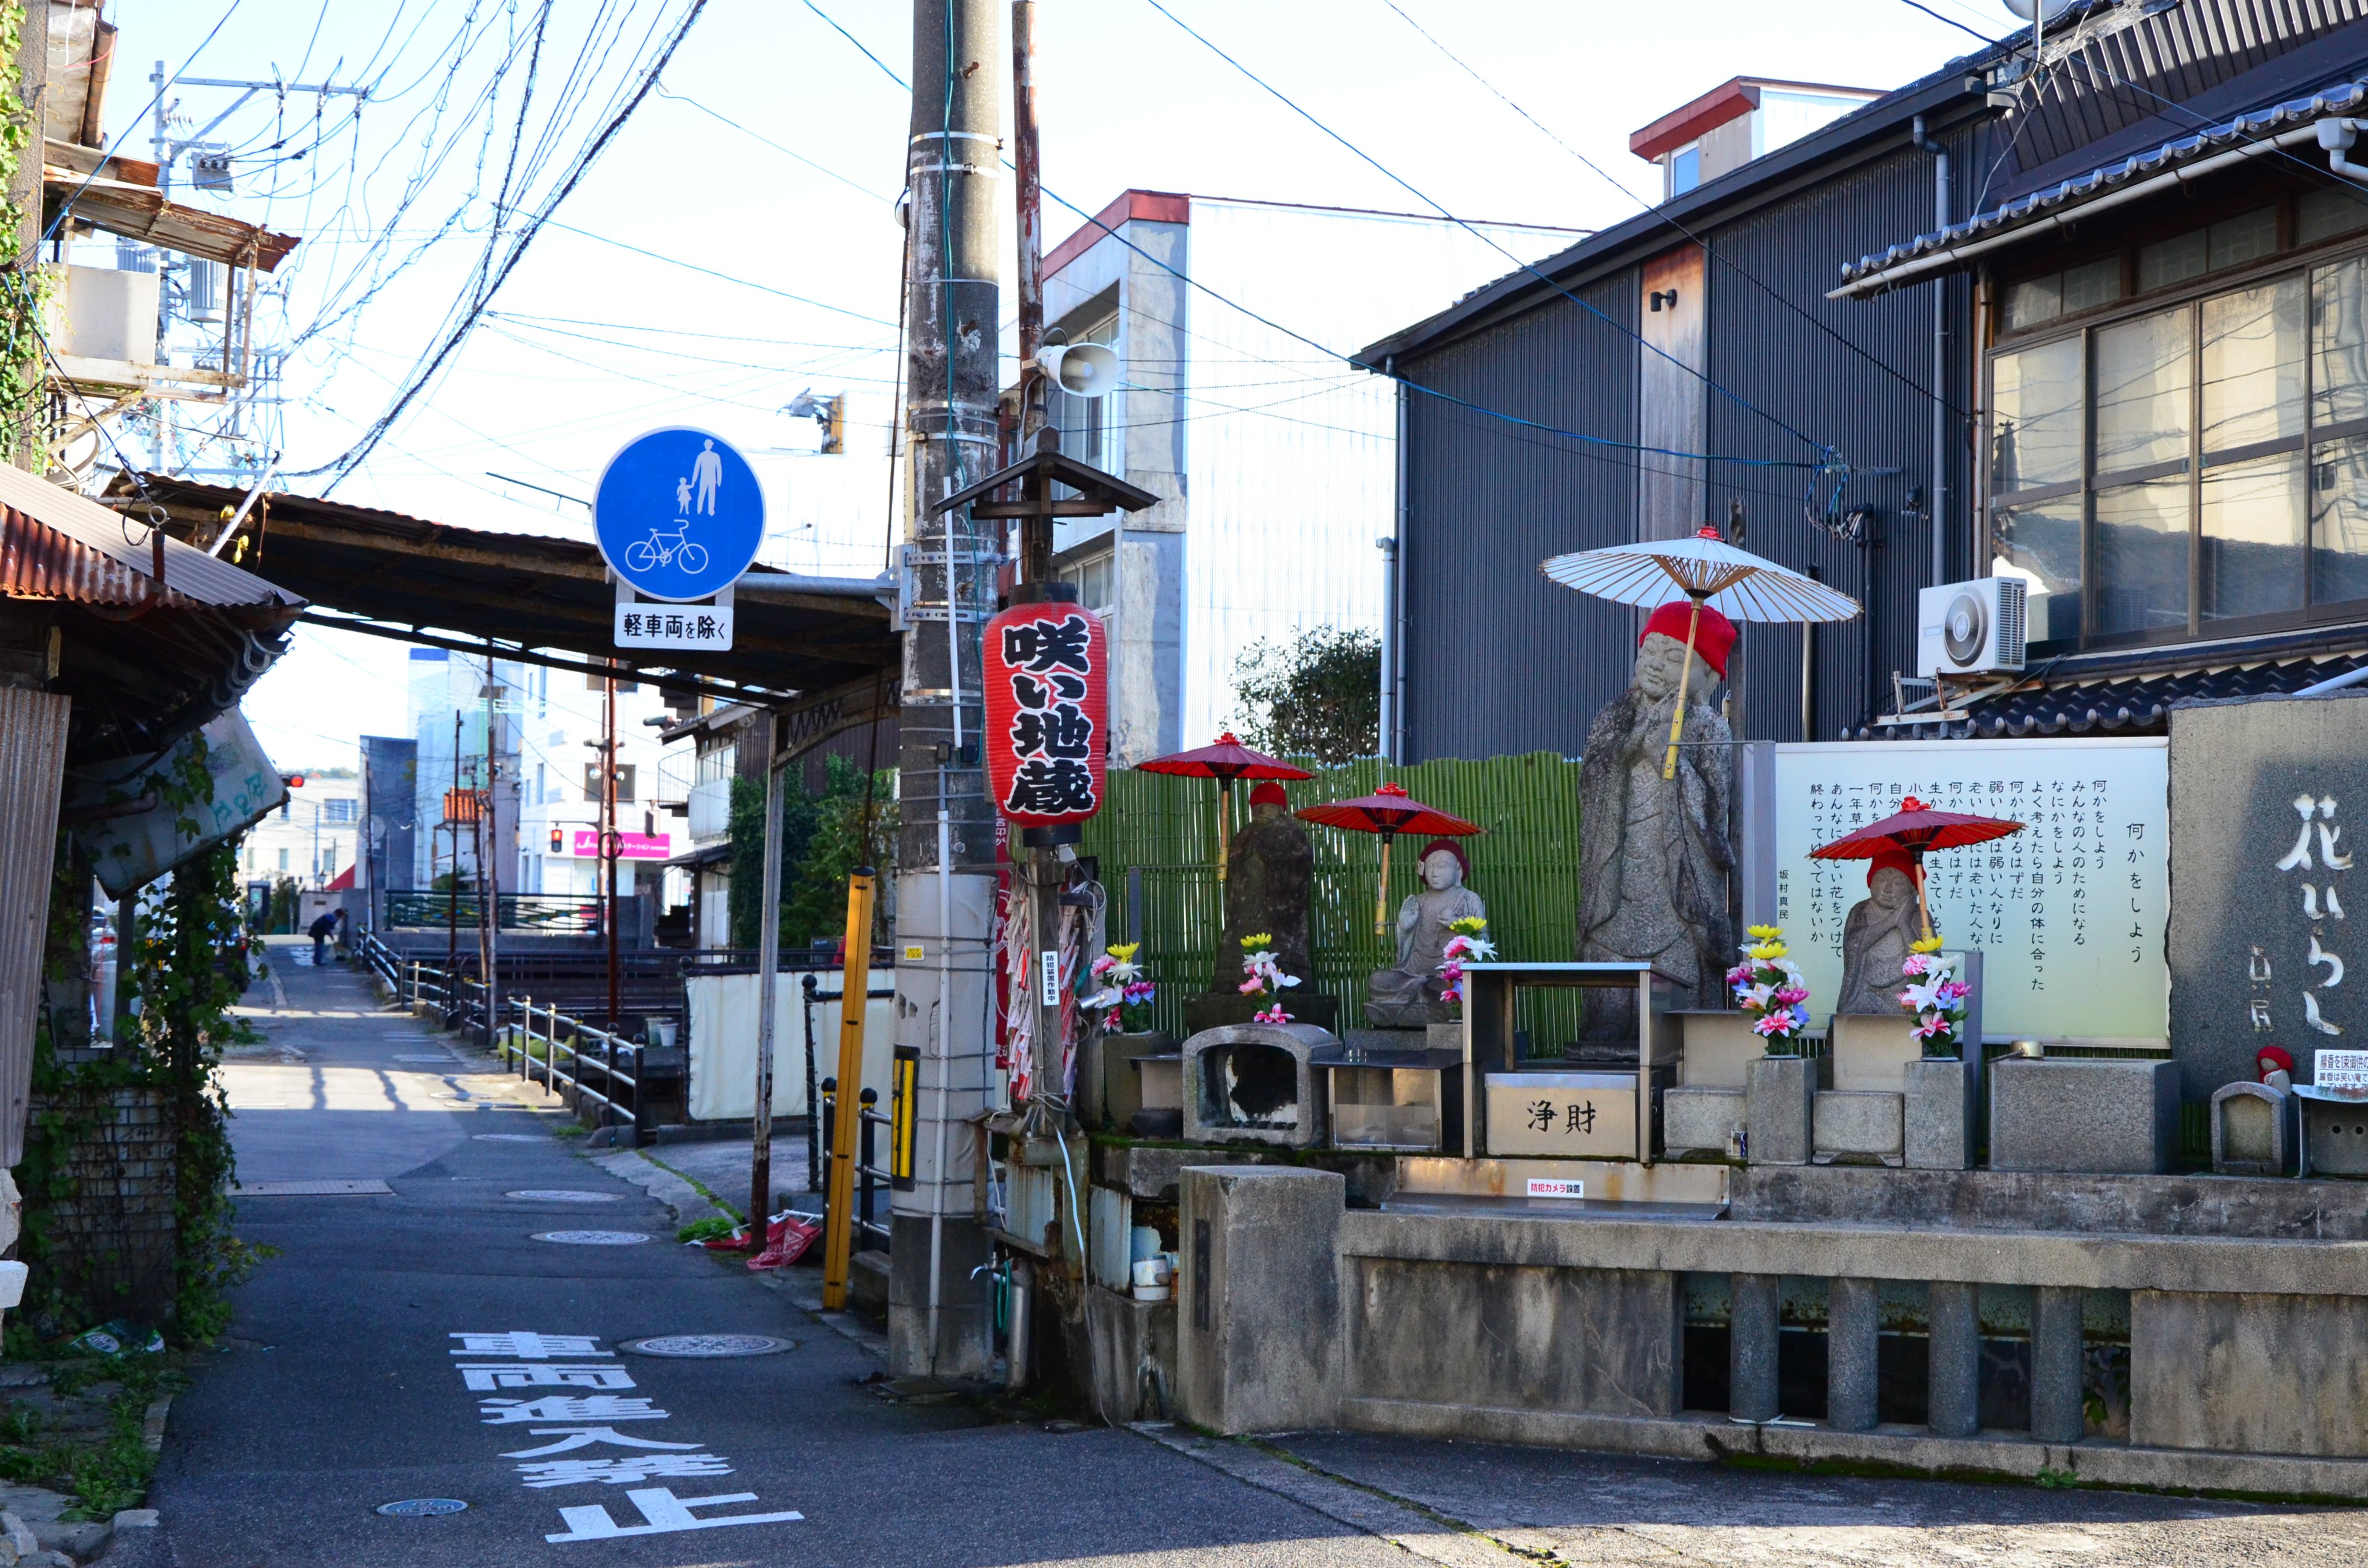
x,y
421,1508
592,1238
707,1347
341,1188
562,1195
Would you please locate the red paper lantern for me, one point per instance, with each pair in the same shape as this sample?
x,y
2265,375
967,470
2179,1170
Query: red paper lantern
x,y
1047,673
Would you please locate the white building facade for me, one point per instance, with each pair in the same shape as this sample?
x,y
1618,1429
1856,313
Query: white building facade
x,y
310,839
1274,458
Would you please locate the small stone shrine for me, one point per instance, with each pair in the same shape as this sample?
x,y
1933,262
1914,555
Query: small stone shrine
x,y
1270,874
1654,852
1882,929
1408,994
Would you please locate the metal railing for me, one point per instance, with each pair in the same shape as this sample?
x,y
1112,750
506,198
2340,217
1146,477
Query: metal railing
x,y
871,1178
591,1053
436,908
384,961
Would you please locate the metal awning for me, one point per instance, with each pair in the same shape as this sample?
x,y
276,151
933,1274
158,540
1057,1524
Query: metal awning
x,y
2258,133
150,639
535,598
120,196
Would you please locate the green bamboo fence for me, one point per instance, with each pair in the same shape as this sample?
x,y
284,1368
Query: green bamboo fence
x,y
1525,866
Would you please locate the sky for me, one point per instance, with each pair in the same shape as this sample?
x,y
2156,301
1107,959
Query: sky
x,y
735,241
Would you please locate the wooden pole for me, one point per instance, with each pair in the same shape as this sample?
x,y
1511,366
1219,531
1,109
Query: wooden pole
x,y
768,963
1224,848
1382,892
1685,676
854,987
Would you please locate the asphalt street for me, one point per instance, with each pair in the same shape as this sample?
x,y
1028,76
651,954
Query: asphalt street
x,y
346,1384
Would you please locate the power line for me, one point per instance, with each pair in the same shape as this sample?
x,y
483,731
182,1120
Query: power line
x,y
710,272
1825,450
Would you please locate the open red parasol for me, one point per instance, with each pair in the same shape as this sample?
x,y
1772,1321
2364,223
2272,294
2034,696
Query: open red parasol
x,y
1912,830
1225,762
1388,811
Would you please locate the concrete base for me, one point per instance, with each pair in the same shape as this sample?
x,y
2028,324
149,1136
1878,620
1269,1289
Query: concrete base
x,y
1860,1125
1940,1101
1132,1345
2083,1114
1258,1300
1703,1121
2263,1208
2335,1138
1781,1095
2006,1454
866,1287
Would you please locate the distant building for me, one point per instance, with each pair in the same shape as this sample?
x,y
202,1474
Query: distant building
x,y
1273,457
311,837
1742,118
389,814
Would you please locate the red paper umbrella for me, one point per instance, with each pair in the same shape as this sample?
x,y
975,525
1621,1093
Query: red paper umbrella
x,y
1225,762
1912,830
1388,811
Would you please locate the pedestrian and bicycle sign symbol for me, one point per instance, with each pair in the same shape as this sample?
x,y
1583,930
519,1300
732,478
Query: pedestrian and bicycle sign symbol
x,y
679,515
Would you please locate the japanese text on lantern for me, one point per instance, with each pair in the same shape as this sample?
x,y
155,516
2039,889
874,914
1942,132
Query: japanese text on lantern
x,y
1047,702
2317,863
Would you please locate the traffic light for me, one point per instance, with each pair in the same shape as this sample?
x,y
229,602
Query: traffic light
x,y
558,839
293,780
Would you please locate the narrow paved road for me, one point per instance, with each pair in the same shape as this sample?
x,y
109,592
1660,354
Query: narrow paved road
x,y
422,1344
345,1385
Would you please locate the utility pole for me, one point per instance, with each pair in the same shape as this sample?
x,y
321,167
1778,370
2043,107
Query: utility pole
x,y
768,963
938,1320
489,860
453,895
609,845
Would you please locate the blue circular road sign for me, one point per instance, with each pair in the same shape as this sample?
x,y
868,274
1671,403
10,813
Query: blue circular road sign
x,y
678,514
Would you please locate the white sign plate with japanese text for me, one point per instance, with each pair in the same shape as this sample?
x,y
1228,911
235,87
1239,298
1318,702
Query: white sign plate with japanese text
x,y
2070,913
707,627
2339,1072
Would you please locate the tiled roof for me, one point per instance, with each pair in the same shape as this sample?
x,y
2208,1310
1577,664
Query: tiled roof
x,y
2250,127
2131,703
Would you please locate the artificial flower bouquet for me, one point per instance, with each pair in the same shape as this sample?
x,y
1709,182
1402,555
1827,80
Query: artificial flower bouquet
x,y
1937,997
1262,976
1469,941
1769,989
1124,986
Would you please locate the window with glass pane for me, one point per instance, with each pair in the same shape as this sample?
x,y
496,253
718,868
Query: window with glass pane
x,y
2339,343
2143,392
2141,557
2338,522
2041,544
2250,560
2038,395
2252,365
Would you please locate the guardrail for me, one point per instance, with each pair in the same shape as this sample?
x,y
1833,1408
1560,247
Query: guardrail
x,y
870,1177
618,1092
436,908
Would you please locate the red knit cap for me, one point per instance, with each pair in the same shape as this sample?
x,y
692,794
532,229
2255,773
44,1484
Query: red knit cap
x,y
2272,1056
1452,847
1899,859
1268,793
1714,637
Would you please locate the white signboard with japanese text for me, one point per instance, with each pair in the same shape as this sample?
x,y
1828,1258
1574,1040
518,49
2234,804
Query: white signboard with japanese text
x,y
2341,1072
707,627
2070,913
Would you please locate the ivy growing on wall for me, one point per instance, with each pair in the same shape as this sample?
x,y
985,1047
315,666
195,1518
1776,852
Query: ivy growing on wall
x,y
185,965
23,286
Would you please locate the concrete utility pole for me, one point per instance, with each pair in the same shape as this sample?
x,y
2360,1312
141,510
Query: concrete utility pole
x,y
937,1312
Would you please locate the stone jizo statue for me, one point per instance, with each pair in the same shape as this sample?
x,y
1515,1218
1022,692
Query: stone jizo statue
x,y
1876,937
1654,856
1269,871
1407,995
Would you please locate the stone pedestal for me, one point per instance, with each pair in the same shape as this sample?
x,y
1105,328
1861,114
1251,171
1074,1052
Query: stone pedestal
x,y
1253,1083
1752,1327
2253,1130
1702,1120
2084,1114
1860,1126
1258,1300
1781,1094
1940,1114
2334,1140
1853,1325
2058,1413
1953,1375
1108,1089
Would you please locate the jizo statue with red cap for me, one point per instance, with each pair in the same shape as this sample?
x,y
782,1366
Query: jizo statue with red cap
x,y
1882,929
1271,871
1653,855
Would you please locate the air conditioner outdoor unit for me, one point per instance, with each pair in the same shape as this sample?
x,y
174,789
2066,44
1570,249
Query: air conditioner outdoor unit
x,y
1973,628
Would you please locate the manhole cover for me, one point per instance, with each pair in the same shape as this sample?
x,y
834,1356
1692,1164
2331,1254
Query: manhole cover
x,y
421,1508
562,1195
592,1238
708,1345
509,1137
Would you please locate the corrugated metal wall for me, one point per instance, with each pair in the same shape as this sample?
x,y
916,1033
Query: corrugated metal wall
x,y
32,765
1853,376
1498,659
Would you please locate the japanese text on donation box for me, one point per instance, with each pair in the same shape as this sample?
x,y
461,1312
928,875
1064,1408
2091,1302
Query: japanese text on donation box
x,y
2069,912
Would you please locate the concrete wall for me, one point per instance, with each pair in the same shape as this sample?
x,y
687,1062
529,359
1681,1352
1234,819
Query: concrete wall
x,y
1514,1327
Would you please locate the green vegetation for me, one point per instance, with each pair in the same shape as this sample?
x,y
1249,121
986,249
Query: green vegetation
x,y
822,841
1319,695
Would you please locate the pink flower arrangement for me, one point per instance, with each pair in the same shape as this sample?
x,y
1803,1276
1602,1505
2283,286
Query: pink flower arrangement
x,y
1767,987
1470,941
1124,984
1939,1001
1264,977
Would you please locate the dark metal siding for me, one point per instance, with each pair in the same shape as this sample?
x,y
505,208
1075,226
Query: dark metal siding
x,y
1852,377
1498,659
